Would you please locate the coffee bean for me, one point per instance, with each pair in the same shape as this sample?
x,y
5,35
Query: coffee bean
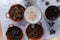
x,y
52,31
47,3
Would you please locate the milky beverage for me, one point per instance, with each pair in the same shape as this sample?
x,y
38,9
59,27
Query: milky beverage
x,y
32,14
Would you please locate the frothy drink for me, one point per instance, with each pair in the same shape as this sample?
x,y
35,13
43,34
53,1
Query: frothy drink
x,y
32,14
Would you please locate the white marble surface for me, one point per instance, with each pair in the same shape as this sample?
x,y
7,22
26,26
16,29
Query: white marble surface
x,y
6,4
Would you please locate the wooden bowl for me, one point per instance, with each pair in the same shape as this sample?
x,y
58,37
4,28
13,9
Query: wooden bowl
x,y
16,13
34,33
14,33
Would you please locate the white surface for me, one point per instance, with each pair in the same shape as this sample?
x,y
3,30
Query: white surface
x,y
5,6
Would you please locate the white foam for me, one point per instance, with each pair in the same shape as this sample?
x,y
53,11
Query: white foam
x,y
35,11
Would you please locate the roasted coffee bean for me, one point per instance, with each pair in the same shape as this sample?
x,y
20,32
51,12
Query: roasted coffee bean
x,y
52,31
51,24
57,0
47,3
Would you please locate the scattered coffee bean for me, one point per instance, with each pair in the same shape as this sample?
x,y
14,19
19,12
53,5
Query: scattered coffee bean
x,y
57,0
42,0
47,3
51,24
52,31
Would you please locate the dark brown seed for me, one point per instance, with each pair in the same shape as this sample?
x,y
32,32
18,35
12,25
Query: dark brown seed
x,y
52,31
42,0
51,24
47,3
57,0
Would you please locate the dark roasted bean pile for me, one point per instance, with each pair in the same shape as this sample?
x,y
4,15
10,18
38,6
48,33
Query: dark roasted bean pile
x,y
17,12
14,33
35,31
